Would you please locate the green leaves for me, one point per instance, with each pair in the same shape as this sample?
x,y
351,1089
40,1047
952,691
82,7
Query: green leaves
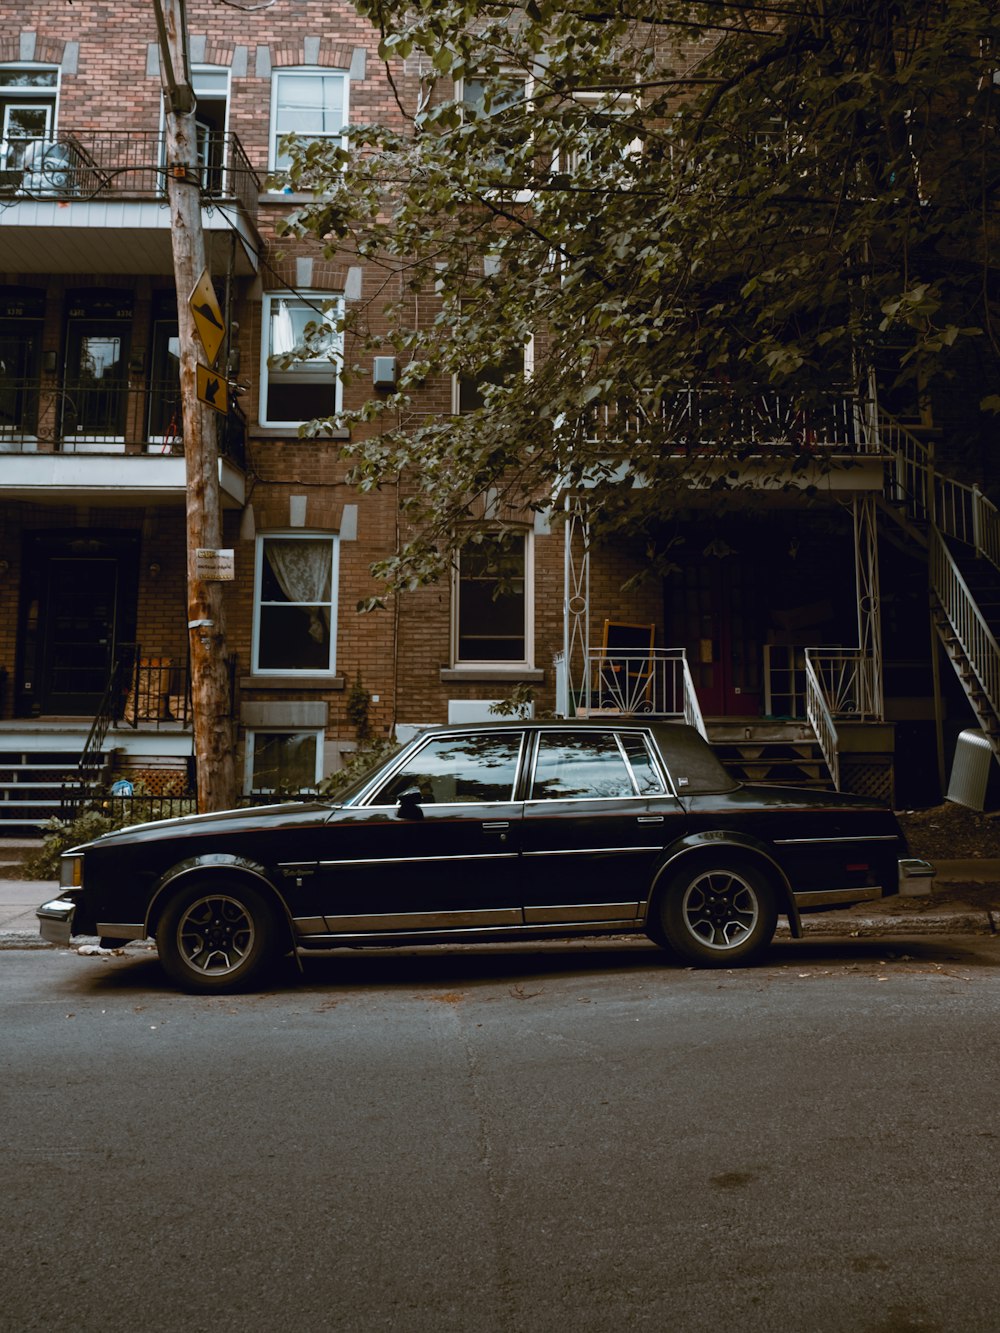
x,y
675,221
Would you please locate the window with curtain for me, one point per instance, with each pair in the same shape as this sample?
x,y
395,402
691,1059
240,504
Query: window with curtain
x,y
301,357
295,604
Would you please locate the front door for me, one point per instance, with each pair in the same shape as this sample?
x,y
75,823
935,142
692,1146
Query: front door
x,y
78,607
79,640
712,610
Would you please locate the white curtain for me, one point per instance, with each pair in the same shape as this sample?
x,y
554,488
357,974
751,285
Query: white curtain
x,y
303,570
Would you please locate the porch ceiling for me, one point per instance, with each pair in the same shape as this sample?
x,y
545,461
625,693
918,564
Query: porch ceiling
x,y
113,236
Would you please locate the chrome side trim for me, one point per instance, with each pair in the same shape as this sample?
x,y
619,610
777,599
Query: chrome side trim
x,y
858,837
413,860
309,925
830,897
486,933
594,851
582,912
369,923
121,930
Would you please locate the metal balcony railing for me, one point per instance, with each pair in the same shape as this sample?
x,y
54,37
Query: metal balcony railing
x,y
656,682
109,415
121,164
708,417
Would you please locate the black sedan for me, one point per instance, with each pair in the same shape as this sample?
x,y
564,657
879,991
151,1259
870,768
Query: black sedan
x,y
492,832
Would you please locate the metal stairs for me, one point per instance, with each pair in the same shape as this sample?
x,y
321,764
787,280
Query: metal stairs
x,y
774,752
31,784
965,609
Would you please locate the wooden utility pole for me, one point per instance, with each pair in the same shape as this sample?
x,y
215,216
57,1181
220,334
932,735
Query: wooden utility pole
x,y
210,684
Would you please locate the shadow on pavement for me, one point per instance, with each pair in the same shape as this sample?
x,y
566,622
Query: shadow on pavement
x,y
469,965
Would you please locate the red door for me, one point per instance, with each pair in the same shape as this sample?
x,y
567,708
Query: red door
x,y
712,611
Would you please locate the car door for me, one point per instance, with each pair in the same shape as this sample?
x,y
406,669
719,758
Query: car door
x,y
444,859
597,816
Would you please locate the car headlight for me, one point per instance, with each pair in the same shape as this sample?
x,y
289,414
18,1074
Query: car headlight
x,y
70,871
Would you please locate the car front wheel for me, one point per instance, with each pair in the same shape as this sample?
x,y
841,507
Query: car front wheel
x,y
217,937
718,914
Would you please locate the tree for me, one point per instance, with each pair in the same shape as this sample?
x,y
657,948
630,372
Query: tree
x,y
790,196
210,685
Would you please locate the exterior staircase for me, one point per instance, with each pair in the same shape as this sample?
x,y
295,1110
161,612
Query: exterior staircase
x,y
961,530
33,771
777,752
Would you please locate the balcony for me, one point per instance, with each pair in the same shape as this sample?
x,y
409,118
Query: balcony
x,y
60,198
762,441
117,441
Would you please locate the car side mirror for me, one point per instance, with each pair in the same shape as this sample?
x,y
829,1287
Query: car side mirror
x,y
408,806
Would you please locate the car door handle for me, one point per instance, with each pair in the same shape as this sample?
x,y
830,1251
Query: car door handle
x,y
649,819
497,823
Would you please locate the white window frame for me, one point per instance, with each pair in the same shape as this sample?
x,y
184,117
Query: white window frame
x,y
456,379
475,663
295,535
12,97
514,75
251,745
309,71
325,307
570,162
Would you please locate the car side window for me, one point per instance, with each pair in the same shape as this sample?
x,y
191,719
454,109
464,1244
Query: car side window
x,y
644,770
580,764
467,768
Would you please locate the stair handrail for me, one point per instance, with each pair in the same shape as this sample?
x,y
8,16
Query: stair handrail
x,y
954,507
821,721
972,633
107,711
692,706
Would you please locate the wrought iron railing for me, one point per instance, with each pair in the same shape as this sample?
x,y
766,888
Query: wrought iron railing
x,y
113,415
123,164
822,723
655,682
970,631
712,417
846,677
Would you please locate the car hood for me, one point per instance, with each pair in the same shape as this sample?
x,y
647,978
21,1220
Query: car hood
x,y
288,814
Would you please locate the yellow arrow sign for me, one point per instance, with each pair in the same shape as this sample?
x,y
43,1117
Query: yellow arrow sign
x,y
212,389
204,306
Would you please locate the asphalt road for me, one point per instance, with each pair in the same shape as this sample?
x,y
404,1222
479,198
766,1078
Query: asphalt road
x,y
580,1138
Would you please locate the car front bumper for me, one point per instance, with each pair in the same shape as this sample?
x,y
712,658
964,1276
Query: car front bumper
x,y
916,877
55,920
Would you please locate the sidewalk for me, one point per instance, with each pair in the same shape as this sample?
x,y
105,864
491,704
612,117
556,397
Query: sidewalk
x,y
966,901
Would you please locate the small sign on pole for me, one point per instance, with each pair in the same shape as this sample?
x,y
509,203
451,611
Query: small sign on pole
x,y
212,389
204,306
214,566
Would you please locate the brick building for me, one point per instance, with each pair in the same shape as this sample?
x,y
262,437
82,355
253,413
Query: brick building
x,y
775,646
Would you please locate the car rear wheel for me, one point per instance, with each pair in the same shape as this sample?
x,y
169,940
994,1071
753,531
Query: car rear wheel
x,y
717,914
217,937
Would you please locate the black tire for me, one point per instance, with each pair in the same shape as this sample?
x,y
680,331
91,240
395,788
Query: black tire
x,y
718,913
217,936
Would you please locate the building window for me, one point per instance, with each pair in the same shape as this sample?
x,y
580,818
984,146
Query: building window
x,y
493,599
27,116
309,103
301,357
468,386
283,761
295,605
